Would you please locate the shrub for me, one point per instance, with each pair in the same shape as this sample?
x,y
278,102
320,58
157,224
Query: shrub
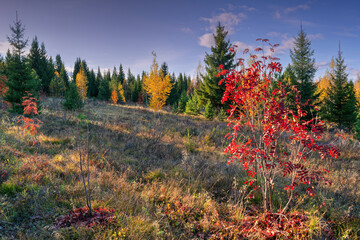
x,y
280,140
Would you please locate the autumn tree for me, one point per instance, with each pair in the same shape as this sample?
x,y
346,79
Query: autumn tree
x,y
82,82
157,86
323,84
120,91
357,88
269,139
57,86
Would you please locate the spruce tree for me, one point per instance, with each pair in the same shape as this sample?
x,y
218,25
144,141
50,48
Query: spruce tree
x,y
340,103
209,111
303,67
19,76
73,99
104,87
210,90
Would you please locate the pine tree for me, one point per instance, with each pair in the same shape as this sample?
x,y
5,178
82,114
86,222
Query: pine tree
x,y
121,75
18,73
303,67
184,98
93,87
220,55
209,111
192,106
57,86
43,65
104,87
340,104
73,99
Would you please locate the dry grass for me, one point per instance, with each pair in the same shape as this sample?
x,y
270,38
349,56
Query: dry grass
x,y
147,168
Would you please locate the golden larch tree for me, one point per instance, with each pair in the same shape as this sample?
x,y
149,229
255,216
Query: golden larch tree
x,y
323,83
157,86
81,83
121,92
357,89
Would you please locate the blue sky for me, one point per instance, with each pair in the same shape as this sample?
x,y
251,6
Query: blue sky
x,y
107,33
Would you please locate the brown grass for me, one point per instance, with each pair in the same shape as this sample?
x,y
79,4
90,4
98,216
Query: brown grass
x,y
141,163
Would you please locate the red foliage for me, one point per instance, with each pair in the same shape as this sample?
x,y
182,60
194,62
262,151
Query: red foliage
x,y
82,217
31,125
279,140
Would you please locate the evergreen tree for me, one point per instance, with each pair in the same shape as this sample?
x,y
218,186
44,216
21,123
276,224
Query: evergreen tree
x,y
220,55
57,86
73,100
121,75
19,76
209,111
64,76
104,87
184,98
340,103
164,68
303,67
77,65
93,88
192,106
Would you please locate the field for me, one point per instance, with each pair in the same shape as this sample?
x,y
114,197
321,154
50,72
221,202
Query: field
x,y
165,176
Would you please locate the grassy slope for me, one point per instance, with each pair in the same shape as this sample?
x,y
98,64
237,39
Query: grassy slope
x,y
166,178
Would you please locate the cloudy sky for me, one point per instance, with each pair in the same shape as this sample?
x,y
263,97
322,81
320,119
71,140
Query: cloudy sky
x,y
106,33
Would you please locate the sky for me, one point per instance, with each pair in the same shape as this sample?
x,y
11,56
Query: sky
x,y
108,33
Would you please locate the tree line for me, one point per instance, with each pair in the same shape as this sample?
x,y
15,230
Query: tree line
x,y
336,97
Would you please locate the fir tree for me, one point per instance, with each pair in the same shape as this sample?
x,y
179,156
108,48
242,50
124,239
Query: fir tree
x,y
57,86
210,90
303,67
192,107
73,100
19,76
104,86
340,103
209,111
184,98
121,75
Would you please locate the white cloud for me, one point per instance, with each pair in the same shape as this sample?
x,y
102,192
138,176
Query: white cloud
x,y
354,73
186,30
4,46
322,65
316,36
277,14
207,40
273,34
285,45
241,46
228,19
293,9
245,7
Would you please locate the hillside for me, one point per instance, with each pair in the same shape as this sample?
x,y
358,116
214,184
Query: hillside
x,y
165,177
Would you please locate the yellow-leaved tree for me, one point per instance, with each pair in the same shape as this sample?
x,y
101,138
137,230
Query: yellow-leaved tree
x,y
121,92
81,83
357,89
324,82
157,86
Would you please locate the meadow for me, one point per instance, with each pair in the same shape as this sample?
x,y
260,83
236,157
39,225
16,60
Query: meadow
x,y
163,176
